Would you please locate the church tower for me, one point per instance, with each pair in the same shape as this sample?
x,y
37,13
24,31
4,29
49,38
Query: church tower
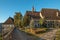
x,y
33,9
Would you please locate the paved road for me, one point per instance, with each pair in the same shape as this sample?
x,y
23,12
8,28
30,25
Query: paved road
x,y
19,35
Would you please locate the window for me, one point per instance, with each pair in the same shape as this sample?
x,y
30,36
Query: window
x,y
57,24
38,25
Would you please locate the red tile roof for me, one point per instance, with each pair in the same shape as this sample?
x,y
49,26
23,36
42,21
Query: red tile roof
x,y
50,14
34,15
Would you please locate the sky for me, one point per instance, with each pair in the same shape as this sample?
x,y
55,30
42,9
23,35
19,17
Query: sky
x,y
9,7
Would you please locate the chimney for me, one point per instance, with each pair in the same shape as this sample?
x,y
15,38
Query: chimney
x,y
56,13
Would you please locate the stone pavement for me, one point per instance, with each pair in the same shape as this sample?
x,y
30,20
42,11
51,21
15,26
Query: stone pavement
x,y
49,35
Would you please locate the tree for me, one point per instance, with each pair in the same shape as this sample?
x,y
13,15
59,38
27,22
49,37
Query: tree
x,y
41,21
26,20
17,19
31,24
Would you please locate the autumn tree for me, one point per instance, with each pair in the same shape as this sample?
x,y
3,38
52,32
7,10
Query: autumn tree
x,y
31,24
18,19
26,20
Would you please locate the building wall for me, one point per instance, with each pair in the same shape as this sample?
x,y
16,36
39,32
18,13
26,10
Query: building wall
x,y
36,23
7,27
53,23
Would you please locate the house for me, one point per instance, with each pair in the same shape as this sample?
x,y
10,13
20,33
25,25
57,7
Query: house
x,y
34,15
52,17
9,22
7,25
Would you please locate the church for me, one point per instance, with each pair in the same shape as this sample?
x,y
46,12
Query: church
x,y
51,17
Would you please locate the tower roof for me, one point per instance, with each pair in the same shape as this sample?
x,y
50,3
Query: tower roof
x,y
33,9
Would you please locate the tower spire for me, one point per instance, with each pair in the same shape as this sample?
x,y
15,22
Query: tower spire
x,y
33,9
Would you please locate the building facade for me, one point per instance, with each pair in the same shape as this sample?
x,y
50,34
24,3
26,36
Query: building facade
x,y
7,25
52,17
34,15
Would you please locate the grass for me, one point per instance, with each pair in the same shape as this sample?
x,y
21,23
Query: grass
x,y
58,35
34,30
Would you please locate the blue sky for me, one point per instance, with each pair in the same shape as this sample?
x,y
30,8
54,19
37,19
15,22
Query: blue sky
x,y
9,7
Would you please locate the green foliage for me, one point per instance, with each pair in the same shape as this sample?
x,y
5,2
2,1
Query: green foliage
x,y
17,19
41,21
26,20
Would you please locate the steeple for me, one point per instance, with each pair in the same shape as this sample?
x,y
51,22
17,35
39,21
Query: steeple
x,y
33,9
